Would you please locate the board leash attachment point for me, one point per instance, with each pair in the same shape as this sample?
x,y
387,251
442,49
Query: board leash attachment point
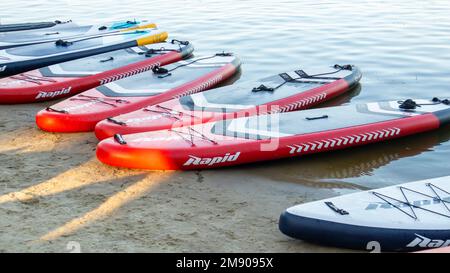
x,y
50,109
161,71
175,41
61,42
262,87
344,67
408,104
445,101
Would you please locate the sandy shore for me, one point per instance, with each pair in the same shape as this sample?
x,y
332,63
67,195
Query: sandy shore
x,y
55,196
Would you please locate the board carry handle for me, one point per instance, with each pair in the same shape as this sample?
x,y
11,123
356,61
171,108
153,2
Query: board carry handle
x,y
119,139
336,209
314,118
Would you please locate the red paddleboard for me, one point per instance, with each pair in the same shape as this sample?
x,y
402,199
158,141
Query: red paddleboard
x,y
296,90
82,112
72,77
267,137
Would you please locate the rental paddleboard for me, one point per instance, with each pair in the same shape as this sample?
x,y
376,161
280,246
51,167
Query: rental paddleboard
x,y
406,217
82,112
299,89
72,77
267,137
67,31
25,58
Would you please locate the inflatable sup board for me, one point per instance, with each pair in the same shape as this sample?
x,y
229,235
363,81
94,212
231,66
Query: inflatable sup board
x,y
289,91
67,31
82,112
72,77
29,26
267,137
406,217
20,59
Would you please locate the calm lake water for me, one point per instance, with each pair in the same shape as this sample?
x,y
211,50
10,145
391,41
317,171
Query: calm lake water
x,y
402,47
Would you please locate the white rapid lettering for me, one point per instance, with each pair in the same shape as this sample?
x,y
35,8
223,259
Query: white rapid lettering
x,y
193,160
53,94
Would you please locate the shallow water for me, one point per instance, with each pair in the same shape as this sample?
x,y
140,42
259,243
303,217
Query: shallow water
x,y
402,47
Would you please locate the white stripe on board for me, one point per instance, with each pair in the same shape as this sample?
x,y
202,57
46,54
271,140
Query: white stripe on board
x,y
58,70
121,90
239,126
200,101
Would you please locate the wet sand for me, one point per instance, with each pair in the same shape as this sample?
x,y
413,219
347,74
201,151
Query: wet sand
x,y
55,196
